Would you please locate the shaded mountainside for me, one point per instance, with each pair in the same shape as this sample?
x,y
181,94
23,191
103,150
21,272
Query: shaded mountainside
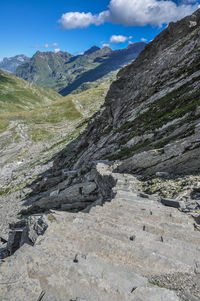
x,y
10,64
66,73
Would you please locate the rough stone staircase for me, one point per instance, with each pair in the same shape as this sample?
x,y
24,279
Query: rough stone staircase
x,y
132,248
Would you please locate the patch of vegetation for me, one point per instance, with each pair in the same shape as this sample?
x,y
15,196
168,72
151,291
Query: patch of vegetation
x,y
187,70
4,125
128,151
174,105
39,134
182,45
5,191
51,218
14,188
169,187
16,94
108,130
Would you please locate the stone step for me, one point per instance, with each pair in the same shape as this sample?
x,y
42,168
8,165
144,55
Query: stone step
x,y
151,212
107,254
148,260
141,239
125,231
147,205
112,210
68,276
184,232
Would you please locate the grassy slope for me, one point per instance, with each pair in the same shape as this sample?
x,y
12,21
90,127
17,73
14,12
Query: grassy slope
x,y
17,94
44,111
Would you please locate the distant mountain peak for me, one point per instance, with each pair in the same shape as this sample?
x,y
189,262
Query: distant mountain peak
x,y
10,64
132,45
107,48
47,53
91,50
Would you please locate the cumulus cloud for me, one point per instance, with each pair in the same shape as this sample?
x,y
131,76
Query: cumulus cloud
x,y
187,1
106,45
143,39
56,50
73,20
132,13
115,39
143,12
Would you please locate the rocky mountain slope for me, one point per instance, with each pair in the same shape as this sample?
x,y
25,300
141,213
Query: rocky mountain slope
x,y
10,64
124,245
150,119
65,73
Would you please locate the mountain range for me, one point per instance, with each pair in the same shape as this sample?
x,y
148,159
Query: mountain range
x,y
10,64
66,73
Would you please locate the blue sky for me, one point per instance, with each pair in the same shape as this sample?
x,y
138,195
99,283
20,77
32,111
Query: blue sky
x,y
27,26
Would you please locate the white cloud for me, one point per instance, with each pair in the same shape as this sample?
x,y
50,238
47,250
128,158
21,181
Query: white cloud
x,y
187,1
73,20
106,45
115,39
132,13
56,50
143,12
143,39
54,45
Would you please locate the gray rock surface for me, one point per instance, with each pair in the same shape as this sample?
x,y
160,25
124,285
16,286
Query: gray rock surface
x,y
173,203
90,256
154,294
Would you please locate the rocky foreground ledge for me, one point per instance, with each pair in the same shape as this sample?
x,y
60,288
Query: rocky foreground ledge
x,y
131,248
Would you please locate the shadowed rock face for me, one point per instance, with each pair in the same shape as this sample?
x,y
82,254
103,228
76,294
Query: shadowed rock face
x,y
151,116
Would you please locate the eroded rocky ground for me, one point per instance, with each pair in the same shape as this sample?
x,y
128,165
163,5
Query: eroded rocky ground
x,y
131,248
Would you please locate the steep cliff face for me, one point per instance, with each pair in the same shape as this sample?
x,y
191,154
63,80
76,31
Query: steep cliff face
x,y
151,117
